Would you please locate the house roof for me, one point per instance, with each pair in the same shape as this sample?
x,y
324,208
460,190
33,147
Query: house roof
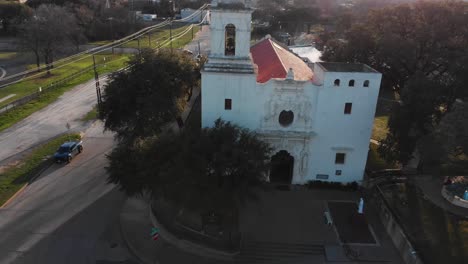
x,y
274,61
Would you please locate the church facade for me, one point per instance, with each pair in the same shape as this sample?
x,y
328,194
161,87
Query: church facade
x,y
317,118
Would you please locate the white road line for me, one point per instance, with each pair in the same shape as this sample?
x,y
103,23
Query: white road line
x,y
3,73
7,97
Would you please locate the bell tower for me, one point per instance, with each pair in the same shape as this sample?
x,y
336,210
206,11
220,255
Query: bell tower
x,y
230,36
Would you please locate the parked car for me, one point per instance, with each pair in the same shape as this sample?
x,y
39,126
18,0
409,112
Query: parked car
x,y
67,151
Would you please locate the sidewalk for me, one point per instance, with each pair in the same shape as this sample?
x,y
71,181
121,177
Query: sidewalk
x,y
432,187
135,225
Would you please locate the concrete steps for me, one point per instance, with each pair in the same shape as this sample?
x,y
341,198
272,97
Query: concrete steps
x,y
275,252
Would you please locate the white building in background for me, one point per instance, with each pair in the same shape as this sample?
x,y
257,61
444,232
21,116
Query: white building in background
x,y
188,13
318,119
307,53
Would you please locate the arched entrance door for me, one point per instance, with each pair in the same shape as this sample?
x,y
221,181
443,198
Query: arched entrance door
x,y
281,168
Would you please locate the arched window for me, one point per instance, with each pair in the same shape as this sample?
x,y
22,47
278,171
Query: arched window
x,y
366,83
351,83
230,41
337,82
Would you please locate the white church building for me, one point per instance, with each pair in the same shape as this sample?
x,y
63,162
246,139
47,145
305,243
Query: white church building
x,y
318,119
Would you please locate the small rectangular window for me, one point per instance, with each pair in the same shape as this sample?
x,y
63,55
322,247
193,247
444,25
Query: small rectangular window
x,y
322,176
227,104
338,172
347,108
340,158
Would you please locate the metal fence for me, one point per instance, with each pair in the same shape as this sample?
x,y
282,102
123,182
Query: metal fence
x,y
50,87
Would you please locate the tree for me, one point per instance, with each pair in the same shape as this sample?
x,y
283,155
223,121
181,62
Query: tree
x,y
211,168
13,13
48,31
422,50
447,144
138,101
76,36
31,38
37,3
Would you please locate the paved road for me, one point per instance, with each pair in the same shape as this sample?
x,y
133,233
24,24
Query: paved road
x,y
3,73
203,37
50,121
73,105
68,215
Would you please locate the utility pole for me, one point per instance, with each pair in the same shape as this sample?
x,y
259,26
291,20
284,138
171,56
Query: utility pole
x,y
98,88
139,49
192,32
199,50
201,19
170,34
112,32
149,40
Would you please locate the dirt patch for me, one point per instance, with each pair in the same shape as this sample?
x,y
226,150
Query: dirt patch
x,y
3,168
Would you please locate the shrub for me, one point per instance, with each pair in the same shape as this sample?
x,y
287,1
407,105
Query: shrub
x,y
352,186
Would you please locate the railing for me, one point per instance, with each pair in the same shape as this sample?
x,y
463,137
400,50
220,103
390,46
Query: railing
x,y
50,87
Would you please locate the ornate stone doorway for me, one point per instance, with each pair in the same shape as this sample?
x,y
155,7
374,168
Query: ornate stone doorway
x,y
282,168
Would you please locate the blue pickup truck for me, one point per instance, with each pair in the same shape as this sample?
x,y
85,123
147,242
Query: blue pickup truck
x,y
67,151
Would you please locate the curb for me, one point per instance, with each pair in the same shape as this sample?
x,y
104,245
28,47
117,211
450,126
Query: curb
x,y
188,246
14,196
46,166
17,193
130,247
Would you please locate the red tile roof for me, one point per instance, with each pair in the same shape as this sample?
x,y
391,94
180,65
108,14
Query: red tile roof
x,y
274,61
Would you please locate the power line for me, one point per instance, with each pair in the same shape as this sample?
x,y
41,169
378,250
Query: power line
x,y
99,49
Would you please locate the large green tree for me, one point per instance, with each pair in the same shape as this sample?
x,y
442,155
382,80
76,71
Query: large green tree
x,y
137,102
210,168
422,50
446,147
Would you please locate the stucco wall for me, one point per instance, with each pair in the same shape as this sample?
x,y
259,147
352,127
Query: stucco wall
x,y
241,20
320,128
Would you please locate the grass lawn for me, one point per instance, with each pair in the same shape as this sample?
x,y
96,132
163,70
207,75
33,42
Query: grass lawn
x,y
10,118
375,162
380,129
91,115
13,178
26,87
158,36
7,55
385,105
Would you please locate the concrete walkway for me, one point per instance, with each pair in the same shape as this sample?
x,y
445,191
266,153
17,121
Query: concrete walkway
x,y
431,186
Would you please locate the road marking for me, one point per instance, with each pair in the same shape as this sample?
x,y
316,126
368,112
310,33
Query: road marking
x,y
7,97
3,73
